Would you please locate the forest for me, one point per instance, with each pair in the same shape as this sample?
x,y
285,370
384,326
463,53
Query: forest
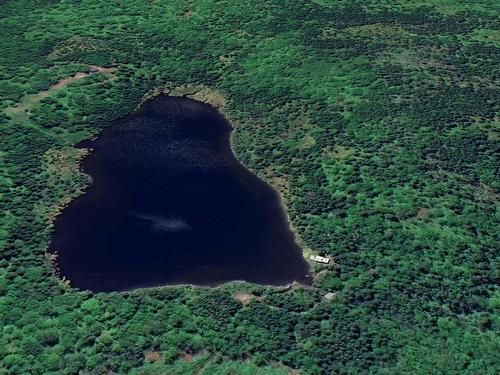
x,y
377,121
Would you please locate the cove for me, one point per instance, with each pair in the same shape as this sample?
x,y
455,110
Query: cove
x,y
170,204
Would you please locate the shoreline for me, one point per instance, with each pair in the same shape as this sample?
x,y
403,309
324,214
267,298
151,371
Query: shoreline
x,y
219,106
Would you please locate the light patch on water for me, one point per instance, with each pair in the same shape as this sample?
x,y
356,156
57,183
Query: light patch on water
x,y
164,224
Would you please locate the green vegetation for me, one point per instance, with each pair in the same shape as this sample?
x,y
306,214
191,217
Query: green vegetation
x,y
378,122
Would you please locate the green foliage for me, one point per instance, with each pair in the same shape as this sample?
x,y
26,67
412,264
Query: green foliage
x,y
378,122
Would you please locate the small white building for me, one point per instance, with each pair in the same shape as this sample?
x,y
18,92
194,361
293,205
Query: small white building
x,y
319,259
329,296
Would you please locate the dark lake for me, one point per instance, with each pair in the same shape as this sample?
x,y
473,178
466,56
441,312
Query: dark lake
x,y
169,204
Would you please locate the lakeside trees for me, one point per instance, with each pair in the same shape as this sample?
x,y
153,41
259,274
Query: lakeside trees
x,y
376,121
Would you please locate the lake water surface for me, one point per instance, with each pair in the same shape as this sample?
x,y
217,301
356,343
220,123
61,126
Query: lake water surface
x,y
169,204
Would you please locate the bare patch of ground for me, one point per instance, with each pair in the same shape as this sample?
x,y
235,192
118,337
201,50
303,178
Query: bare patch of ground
x,y
244,298
154,357
190,357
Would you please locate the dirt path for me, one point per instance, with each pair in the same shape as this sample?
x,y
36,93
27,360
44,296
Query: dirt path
x,y
20,112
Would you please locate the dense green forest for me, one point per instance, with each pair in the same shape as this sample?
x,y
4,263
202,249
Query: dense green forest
x,y
377,122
